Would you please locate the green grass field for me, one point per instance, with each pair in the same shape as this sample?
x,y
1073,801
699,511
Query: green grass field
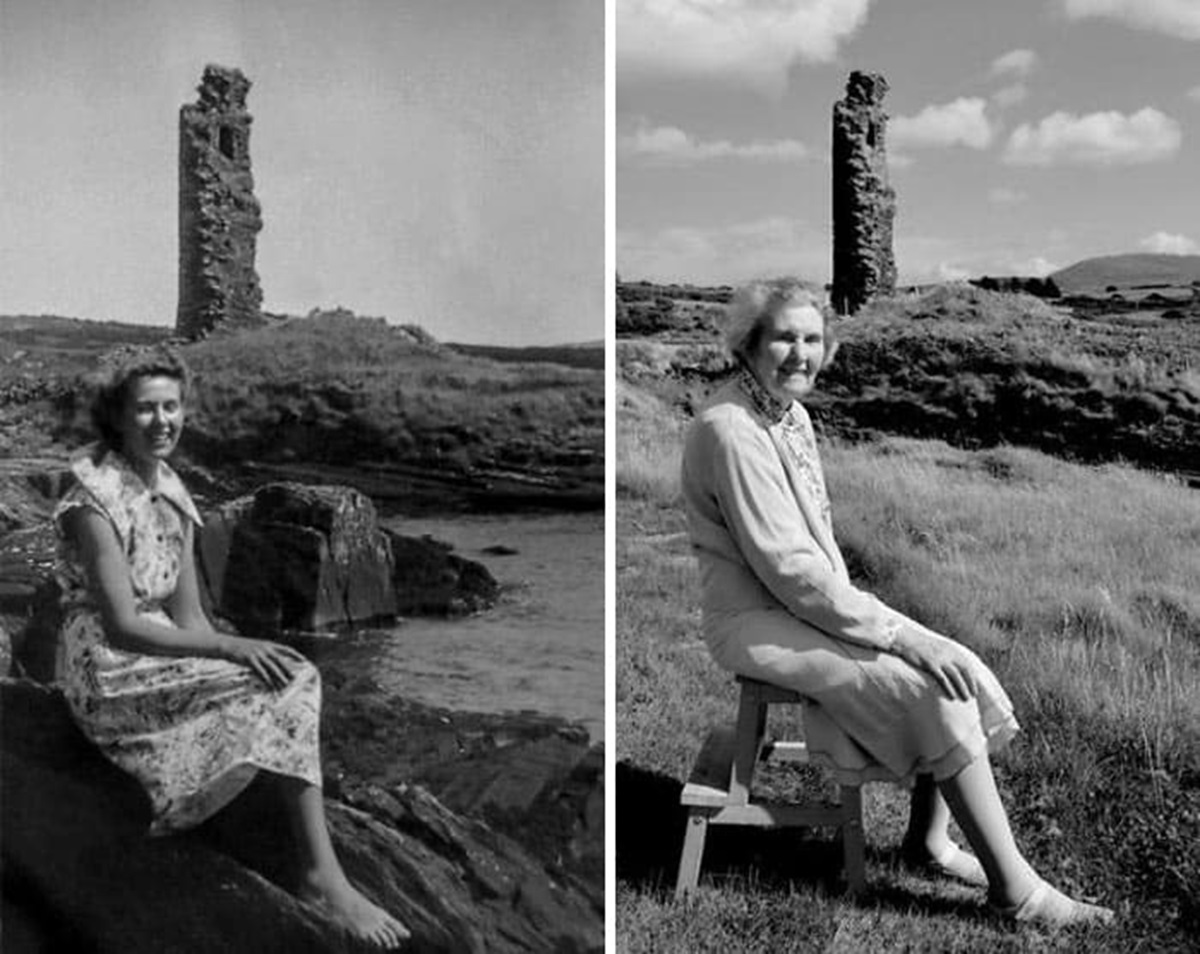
x,y
1077,584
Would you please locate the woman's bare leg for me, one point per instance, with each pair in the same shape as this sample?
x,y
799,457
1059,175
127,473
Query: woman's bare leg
x,y
1012,882
928,819
927,845
322,880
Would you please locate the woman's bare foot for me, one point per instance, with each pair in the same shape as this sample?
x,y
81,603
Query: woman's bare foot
x,y
346,905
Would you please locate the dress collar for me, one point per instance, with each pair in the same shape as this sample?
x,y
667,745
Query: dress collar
x,y
773,409
166,482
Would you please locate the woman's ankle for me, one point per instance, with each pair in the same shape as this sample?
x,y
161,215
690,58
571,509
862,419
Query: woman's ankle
x,y
926,846
1011,891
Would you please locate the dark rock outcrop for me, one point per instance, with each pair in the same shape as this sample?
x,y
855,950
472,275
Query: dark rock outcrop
x,y
29,600
299,557
431,580
536,778
80,874
864,205
219,217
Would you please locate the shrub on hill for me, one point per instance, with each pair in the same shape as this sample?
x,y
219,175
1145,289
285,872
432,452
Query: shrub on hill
x,y
979,368
995,368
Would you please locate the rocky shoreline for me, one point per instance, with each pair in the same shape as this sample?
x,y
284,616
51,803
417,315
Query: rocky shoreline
x,y
484,832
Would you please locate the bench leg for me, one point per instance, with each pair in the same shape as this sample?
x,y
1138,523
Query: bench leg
x,y
693,852
853,840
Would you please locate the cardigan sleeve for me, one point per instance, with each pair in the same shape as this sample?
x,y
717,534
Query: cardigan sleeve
x,y
768,527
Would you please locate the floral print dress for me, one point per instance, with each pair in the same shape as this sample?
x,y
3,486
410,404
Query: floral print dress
x,y
193,730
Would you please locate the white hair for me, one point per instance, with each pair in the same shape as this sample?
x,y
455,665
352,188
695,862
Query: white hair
x,y
757,302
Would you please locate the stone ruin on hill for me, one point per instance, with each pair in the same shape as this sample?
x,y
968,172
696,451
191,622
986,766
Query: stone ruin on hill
x,y
864,205
219,217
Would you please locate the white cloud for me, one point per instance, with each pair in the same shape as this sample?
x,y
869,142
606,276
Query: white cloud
x,y
725,254
949,272
924,258
1010,95
748,41
1194,93
1002,195
1018,63
960,123
668,145
1179,18
1167,243
1103,139
1036,267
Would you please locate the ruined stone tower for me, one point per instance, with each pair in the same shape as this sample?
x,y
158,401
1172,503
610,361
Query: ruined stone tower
x,y
219,218
864,205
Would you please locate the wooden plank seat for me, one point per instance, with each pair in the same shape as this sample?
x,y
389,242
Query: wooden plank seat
x,y
718,791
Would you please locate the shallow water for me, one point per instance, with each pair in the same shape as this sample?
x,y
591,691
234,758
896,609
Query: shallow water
x,y
541,648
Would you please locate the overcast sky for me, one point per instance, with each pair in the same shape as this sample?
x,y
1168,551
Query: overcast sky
x,y
430,161
1025,135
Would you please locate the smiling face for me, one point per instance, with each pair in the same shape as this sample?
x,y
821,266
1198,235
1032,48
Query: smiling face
x,y
790,352
152,419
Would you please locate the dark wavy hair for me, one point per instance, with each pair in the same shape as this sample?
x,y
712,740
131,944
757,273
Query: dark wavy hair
x,y
115,379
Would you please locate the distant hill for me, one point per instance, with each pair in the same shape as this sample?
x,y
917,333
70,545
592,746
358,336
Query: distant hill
x,y
1094,275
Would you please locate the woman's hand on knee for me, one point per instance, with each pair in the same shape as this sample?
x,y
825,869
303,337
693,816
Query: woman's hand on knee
x,y
950,664
273,663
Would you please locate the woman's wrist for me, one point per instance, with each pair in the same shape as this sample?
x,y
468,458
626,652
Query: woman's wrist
x,y
222,645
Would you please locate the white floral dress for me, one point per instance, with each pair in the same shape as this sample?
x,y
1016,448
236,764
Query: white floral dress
x,y
193,730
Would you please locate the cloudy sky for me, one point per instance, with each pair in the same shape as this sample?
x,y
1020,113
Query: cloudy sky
x,y
1025,135
431,161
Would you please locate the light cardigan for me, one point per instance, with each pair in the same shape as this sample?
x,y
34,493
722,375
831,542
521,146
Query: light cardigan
x,y
759,522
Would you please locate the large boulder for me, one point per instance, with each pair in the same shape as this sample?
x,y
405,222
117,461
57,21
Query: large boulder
x,y
295,556
80,873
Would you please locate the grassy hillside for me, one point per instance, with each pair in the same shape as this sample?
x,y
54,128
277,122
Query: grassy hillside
x,y
336,391
589,355
1093,276
1076,584
978,369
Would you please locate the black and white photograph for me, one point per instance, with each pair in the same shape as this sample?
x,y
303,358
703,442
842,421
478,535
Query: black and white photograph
x,y
907,416
302,475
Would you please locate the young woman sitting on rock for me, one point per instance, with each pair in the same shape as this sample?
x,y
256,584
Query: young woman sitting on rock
x,y
889,698
192,713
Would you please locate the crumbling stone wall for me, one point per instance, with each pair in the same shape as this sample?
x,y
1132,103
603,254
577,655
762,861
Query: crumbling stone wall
x,y
219,217
864,205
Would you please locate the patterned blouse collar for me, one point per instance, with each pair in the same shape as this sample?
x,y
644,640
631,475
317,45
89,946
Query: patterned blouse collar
x,y
771,408
166,482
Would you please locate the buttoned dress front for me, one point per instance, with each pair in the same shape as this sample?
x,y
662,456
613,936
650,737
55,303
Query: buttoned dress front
x,y
192,730
779,606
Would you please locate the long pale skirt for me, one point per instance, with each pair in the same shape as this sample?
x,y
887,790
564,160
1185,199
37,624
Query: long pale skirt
x,y
192,730
871,716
